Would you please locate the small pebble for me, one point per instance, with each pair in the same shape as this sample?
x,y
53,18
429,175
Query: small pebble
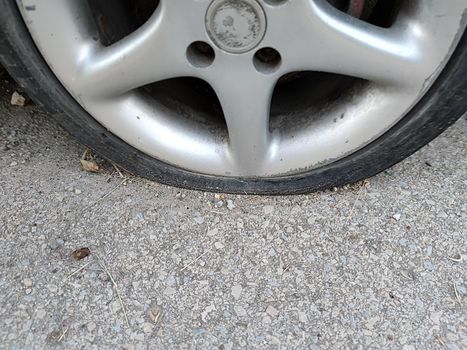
x,y
148,327
91,326
198,331
41,313
213,232
27,282
240,311
55,243
230,204
268,209
236,291
272,311
302,317
169,291
199,220
17,99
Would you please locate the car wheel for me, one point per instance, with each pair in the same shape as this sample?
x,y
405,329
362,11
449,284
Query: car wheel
x,y
245,96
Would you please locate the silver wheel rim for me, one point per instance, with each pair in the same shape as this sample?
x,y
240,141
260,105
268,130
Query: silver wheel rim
x,y
399,63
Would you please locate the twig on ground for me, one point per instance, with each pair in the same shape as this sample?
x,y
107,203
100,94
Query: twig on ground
x,y
85,154
362,186
441,341
119,171
194,261
117,290
77,271
63,335
456,292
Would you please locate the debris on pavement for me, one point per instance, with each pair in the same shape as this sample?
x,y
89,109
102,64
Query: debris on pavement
x,y
155,313
117,290
17,99
88,163
81,253
456,258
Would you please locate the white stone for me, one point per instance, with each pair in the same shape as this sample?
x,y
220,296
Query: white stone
x,y
207,311
230,204
271,310
435,317
240,311
213,232
169,291
218,245
236,291
40,313
199,220
91,326
27,282
268,209
148,327
17,99
302,317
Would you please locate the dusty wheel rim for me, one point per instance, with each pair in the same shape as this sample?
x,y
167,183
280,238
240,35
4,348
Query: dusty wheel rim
x,y
398,63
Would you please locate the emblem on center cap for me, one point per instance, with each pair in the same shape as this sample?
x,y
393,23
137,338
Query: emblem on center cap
x,y
236,26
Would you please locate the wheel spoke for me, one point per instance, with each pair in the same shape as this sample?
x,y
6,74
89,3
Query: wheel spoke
x,y
246,106
338,43
147,55
242,48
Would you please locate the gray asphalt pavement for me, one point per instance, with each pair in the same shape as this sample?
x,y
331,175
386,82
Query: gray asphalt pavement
x,y
380,264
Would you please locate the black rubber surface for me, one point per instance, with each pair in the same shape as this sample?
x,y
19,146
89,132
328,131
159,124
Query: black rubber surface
x,y
444,103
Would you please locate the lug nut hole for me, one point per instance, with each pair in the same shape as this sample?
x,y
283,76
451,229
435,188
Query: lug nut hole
x,y
200,54
267,60
275,2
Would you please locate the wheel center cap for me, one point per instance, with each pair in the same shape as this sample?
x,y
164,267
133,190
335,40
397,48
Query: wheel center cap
x,y
236,26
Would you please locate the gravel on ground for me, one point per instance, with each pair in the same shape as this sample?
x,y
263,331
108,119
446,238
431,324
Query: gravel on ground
x,y
380,264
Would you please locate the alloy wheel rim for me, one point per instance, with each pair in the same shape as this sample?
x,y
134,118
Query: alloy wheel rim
x,y
398,64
